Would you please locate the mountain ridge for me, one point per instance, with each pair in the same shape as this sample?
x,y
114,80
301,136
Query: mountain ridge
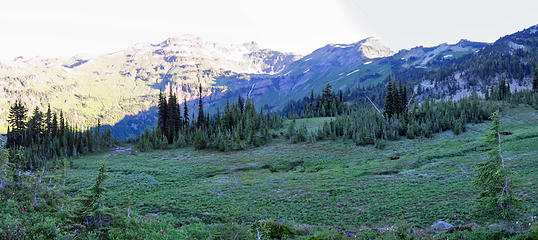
x,y
114,86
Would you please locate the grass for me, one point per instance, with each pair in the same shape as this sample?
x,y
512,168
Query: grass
x,y
333,184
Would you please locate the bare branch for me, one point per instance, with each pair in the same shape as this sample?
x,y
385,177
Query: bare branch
x,y
373,104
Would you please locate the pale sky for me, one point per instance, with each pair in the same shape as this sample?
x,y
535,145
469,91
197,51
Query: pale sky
x,y
63,28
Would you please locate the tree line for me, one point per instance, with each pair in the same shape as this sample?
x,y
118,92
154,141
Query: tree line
x,y
239,126
42,136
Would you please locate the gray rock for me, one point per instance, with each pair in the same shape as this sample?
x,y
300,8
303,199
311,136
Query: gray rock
x,y
441,226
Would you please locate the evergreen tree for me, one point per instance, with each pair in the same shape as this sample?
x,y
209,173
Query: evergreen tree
x,y
90,212
185,112
201,115
54,126
240,103
389,104
403,97
35,126
493,177
48,121
17,121
173,117
62,125
395,98
162,114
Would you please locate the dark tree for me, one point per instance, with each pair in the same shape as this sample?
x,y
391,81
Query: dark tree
x,y
201,115
162,115
16,119
389,104
185,112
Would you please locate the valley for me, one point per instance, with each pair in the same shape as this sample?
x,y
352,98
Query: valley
x,y
336,186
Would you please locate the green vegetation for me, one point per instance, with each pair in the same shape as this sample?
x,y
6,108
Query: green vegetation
x,y
238,127
45,137
493,177
322,190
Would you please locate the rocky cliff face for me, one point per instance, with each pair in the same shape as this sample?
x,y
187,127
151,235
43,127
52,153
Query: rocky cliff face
x,y
121,88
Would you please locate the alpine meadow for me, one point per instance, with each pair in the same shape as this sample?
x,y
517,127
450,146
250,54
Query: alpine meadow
x,y
191,138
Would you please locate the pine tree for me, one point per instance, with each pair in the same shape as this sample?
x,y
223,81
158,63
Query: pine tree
x,y
493,177
389,104
403,97
90,212
162,114
395,98
48,121
201,115
172,120
17,121
62,124
240,103
54,126
185,112
35,126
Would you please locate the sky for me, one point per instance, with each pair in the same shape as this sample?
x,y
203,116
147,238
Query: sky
x,y
64,28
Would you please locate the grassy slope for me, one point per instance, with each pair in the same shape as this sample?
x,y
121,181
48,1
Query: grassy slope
x,y
334,184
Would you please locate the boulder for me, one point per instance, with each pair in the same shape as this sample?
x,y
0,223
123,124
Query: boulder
x,y
441,226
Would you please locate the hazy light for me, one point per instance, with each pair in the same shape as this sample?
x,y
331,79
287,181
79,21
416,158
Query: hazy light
x,y
67,27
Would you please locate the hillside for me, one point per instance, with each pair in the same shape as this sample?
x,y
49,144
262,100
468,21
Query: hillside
x,y
125,83
121,88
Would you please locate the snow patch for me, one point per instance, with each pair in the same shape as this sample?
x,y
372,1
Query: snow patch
x,y
352,72
308,59
447,56
366,63
307,70
516,46
342,45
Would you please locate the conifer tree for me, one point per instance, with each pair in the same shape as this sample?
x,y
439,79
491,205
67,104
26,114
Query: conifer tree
x,y
185,112
240,103
395,97
162,114
48,121
201,115
173,118
54,126
62,124
389,104
90,212
17,121
493,177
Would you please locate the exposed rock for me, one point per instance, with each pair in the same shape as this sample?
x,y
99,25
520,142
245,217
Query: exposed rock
x,y
441,226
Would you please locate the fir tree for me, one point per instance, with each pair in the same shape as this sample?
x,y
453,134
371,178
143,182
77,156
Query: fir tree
x,y
173,117
90,212
62,124
54,126
162,114
493,178
240,103
395,98
389,104
185,112
17,121
201,115
48,121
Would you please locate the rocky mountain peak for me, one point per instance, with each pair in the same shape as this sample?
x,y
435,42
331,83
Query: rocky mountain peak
x,y
372,47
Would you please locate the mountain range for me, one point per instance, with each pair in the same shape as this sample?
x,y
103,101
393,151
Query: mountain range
x,y
121,88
